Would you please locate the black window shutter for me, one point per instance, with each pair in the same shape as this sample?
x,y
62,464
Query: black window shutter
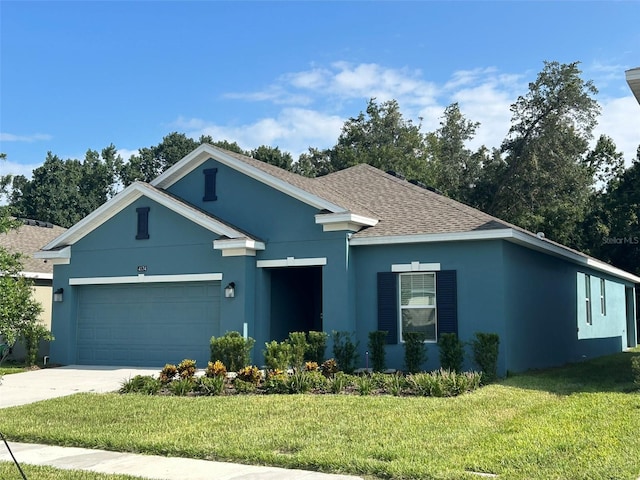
x,y
209,184
143,223
447,301
388,305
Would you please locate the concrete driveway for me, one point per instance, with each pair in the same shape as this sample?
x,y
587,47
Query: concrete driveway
x,y
36,385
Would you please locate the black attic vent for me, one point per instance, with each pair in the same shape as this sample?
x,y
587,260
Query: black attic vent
x,y
396,174
36,223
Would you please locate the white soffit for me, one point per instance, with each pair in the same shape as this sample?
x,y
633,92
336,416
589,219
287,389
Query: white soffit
x,y
332,222
205,152
292,262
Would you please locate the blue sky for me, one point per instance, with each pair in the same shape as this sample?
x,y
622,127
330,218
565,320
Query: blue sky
x,y
80,75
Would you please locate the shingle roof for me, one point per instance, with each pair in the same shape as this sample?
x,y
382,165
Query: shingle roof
x,y
28,239
403,208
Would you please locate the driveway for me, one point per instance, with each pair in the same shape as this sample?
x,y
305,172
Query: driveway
x,y
36,385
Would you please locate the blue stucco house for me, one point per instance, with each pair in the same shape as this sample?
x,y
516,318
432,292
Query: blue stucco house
x,y
223,242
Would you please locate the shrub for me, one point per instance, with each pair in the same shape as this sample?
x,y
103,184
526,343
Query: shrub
x,y
300,382
213,385
215,369
316,346
451,352
144,384
277,382
298,342
182,386
395,384
415,353
329,368
168,373
338,382
231,349
32,336
364,383
485,353
635,369
186,368
377,340
345,351
250,374
277,355
244,387
311,366
443,383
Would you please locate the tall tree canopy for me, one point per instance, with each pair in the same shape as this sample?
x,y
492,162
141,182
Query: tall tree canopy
x,y
65,191
545,185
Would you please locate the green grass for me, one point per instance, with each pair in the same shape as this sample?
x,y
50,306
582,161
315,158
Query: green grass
x,y
577,422
10,367
9,471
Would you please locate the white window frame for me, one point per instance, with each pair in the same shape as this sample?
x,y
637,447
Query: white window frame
x,y
433,307
603,297
587,298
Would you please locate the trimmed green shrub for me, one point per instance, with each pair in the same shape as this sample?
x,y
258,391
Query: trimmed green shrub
x,y
244,387
186,368
316,346
485,353
377,340
277,381
451,352
210,385
168,373
232,350
32,336
635,369
415,353
277,355
345,351
144,384
298,342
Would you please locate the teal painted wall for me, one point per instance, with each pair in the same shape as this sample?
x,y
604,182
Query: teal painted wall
x,y
481,287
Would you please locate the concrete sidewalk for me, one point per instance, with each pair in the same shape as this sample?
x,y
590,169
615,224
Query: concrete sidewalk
x,y
28,387
150,466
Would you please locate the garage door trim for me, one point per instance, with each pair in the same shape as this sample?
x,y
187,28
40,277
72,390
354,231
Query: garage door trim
x,y
192,277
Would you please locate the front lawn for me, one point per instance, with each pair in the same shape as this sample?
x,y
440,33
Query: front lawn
x,y
578,422
9,470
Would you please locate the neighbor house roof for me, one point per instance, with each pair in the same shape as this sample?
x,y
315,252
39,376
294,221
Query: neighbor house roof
x,y
633,79
29,238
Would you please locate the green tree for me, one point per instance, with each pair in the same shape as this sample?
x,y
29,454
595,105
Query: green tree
x,y
545,184
273,156
65,191
18,309
152,161
314,163
382,138
455,169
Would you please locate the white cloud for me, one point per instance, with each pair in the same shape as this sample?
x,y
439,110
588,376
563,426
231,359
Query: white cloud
x,y
36,137
620,120
8,167
126,154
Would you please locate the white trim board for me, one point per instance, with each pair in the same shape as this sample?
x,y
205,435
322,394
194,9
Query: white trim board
x,y
415,267
193,277
292,262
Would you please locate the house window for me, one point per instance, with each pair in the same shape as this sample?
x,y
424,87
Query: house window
x,y
587,298
603,298
143,223
210,184
418,304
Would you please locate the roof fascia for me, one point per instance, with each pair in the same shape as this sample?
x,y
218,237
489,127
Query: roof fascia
x,y
126,198
205,151
527,240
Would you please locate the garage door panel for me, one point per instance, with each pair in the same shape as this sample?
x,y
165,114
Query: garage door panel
x,y
147,325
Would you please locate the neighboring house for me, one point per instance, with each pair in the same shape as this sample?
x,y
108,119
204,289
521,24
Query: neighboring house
x,y
633,79
222,242
29,238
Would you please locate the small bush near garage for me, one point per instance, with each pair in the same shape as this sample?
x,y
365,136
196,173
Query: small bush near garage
x,y
232,349
144,384
186,368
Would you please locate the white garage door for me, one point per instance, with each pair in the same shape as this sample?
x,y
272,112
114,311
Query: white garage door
x,y
147,325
